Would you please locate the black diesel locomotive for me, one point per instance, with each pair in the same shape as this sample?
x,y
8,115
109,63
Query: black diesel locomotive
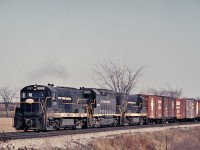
x,y
51,108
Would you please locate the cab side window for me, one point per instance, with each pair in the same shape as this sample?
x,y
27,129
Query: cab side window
x,y
23,95
53,97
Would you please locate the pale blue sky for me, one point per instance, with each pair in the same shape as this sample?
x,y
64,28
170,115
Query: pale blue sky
x,y
60,41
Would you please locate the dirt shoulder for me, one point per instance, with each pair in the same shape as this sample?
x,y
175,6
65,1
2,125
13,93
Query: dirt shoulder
x,y
6,125
81,141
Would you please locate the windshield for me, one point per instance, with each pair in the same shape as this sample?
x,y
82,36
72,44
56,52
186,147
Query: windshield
x,y
31,108
33,94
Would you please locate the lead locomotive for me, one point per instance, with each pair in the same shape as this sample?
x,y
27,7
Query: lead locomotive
x,y
50,108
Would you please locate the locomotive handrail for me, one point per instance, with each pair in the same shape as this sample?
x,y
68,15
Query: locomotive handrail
x,y
119,108
87,109
94,101
91,106
85,105
28,103
45,113
84,99
45,102
134,106
90,111
121,113
138,106
69,103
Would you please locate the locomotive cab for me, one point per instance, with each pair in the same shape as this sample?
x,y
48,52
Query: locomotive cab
x,y
132,109
135,104
30,115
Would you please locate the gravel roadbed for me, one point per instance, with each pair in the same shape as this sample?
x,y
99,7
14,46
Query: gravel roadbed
x,y
77,140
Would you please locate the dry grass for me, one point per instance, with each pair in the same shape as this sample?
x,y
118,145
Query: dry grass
x,y
174,139
181,139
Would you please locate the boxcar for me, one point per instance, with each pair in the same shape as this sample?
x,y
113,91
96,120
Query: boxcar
x,y
154,108
168,108
197,109
180,111
190,109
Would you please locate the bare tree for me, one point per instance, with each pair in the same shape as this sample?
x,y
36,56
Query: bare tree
x,y
120,78
169,91
175,92
7,94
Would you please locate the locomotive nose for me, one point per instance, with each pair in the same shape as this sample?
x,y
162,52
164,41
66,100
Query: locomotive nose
x,y
29,122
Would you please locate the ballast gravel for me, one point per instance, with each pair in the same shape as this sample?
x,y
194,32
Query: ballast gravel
x,y
77,140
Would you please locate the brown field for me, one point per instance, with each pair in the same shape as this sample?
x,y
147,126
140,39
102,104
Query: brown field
x,y
171,138
11,106
6,125
3,112
178,139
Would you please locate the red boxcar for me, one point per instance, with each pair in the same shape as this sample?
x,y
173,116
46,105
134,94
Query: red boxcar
x,y
180,108
190,109
197,109
154,106
168,108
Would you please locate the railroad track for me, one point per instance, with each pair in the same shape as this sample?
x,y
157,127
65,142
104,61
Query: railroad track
x,y
5,136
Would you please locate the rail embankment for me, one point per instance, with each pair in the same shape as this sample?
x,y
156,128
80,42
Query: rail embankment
x,y
168,137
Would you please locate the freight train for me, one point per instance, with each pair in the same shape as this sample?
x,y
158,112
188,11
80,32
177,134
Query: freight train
x,y
53,108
